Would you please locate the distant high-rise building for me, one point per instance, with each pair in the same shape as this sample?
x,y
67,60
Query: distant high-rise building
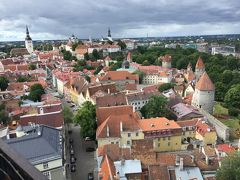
x,y
28,42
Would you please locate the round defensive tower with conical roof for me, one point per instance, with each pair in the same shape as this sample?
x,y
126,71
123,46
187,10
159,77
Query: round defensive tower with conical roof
x,y
166,61
199,68
204,94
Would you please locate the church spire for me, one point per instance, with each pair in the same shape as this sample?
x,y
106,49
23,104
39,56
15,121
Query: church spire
x,y
109,32
27,34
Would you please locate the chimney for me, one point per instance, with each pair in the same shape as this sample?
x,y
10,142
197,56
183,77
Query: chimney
x,y
177,160
107,131
41,111
122,162
193,158
109,91
181,164
121,126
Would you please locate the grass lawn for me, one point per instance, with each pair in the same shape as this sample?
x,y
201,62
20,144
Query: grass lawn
x,y
218,109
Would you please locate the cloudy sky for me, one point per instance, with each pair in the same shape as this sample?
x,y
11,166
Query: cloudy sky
x,y
58,19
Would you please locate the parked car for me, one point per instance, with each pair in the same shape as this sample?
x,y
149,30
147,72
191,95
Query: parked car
x,y
90,176
69,131
90,149
73,167
70,140
72,159
71,151
87,139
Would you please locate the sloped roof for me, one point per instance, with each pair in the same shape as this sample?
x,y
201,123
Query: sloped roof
x,y
205,83
129,123
37,147
154,124
111,100
108,170
54,119
103,113
166,58
118,76
102,87
200,63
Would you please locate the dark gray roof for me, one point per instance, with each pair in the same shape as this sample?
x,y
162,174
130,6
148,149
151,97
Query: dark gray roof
x,y
38,147
141,96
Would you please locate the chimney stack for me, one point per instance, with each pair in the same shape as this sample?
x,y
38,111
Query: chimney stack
x,y
181,164
107,131
121,126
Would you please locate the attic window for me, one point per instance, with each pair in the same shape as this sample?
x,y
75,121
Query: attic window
x,y
167,124
127,77
152,125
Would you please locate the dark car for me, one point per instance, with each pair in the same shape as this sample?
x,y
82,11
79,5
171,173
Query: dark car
x,y
73,167
70,140
69,131
90,176
90,149
72,159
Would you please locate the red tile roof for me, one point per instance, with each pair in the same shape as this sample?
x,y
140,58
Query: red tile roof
x,y
203,128
225,148
102,87
49,108
54,119
111,100
205,83
108,171
118,76
200,63
154,124
103,113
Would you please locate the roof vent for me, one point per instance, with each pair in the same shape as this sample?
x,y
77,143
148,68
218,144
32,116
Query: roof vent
x,y
167,124
152,125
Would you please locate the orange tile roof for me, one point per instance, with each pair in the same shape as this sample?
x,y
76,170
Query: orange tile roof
x,y
111,100
200,63
129,123
103,113
108,171
203,128
114,152
205,83
118,76
155,124
225,148
186,123
166,58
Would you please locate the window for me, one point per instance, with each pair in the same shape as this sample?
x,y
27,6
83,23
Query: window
x,y
128,142
47,174
169,143
164,138
158,144
169,138
129,134
183,133
112,142
136,133
45,165
159,139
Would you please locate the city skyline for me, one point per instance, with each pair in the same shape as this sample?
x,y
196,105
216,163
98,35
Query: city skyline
x,y
135,18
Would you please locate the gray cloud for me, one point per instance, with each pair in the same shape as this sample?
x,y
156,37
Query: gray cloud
x,y
59,18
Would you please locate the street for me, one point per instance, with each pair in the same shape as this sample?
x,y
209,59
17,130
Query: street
x,y
86,161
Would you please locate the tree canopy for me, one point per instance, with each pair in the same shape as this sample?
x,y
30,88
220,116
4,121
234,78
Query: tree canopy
x,y
230,168
36,91
3,83
165,87
67,114
32,66
232,97
3,115
156,107
86,118
140,74
22,79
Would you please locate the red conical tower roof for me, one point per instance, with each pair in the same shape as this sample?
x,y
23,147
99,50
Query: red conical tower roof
x,y
205,83
200,63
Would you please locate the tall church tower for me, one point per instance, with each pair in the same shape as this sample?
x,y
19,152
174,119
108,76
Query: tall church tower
x,y
109,32
203,96
28,42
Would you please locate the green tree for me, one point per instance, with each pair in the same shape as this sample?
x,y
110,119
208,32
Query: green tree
x,y
3,83
121,44
230,168
86,56
156,107
74,46
88,79
220,91
95,54
86,118
140,75
36,91
32,66
232,97
116,66
3,115
22,79
165,87
146,63
67,114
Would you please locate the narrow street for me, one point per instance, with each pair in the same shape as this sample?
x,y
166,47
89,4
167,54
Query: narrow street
x,y
86,161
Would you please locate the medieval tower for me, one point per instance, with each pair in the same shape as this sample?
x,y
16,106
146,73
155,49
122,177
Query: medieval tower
x,y
28,42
